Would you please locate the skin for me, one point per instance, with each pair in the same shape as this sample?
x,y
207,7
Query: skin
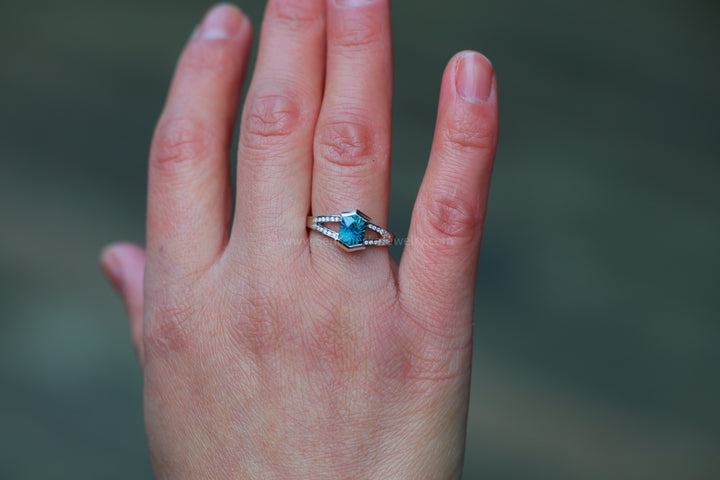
x,y
267,351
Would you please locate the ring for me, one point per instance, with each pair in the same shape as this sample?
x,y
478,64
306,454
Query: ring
x,y
351,234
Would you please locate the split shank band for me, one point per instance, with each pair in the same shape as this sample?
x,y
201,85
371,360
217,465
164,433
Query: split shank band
x,y
351,236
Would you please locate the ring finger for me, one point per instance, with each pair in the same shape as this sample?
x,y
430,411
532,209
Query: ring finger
x,y
278,121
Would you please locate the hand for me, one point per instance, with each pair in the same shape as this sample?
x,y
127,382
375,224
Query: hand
x,y
269,352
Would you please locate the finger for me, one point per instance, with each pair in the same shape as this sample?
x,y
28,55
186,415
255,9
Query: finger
x,y
352,141
438,267
124,265
275,146
189,196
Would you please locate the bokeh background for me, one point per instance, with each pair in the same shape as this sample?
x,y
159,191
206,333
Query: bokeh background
x,y
598,314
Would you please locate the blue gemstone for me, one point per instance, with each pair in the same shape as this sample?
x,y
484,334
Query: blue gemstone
x,y
352,229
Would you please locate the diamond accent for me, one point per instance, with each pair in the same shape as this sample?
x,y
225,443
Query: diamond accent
x,y
352,232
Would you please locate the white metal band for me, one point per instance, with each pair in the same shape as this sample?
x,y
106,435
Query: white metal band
x,y
317,224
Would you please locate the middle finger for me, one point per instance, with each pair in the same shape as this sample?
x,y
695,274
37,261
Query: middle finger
x,y
352,139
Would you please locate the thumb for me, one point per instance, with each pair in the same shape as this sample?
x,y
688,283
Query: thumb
x,y
124,265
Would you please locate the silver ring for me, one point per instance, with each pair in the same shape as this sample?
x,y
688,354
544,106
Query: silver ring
x,y
350,236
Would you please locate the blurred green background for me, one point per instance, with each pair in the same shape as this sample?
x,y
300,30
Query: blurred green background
x,y
597,316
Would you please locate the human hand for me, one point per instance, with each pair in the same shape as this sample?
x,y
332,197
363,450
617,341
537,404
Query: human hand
x,y
269,352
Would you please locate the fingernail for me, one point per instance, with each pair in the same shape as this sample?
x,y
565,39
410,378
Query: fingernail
x,y
112,268
353,3
475,77
222,21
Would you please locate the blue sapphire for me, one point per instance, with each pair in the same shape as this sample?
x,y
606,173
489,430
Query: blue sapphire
x,y
352,228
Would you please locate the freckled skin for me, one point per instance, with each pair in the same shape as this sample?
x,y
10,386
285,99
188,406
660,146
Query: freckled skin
x,y
294,359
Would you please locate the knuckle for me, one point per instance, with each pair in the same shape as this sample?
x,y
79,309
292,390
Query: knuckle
x,y
293,14
167,332
347,143
332,341
468,132
180,140
254,327
269,120
357,34
450,215
428,365
426,352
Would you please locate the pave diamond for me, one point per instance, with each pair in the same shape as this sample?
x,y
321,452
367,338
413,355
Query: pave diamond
x,y
352,228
